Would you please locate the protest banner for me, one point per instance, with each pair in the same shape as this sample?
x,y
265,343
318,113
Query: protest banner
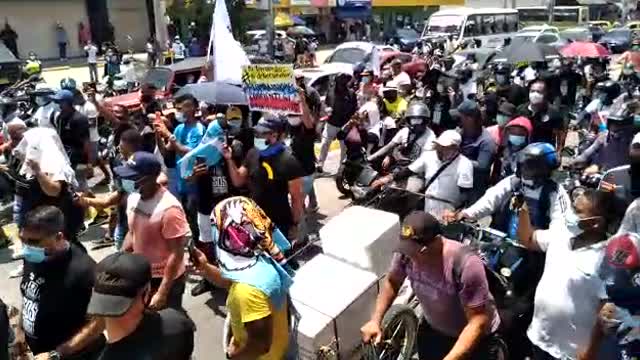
x,y
271,88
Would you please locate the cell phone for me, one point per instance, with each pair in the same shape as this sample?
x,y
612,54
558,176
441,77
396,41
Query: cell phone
x,y
200,160
190,249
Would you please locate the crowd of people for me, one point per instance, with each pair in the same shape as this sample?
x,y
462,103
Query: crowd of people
x,y
227,194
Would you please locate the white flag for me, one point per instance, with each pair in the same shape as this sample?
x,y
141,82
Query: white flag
x,y
228,66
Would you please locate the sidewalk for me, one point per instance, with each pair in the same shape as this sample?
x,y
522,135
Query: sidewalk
x,y
79,61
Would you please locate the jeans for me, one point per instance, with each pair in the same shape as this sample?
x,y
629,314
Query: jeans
x,y
120,232
81,177
309,191
328,135
174,299
433,345
93,72
62,47
190,205
173,178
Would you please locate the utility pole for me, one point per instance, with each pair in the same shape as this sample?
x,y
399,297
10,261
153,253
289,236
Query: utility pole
x,y
551,7
271,31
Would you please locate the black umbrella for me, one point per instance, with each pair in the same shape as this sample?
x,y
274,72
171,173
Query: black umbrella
x,y
216,93
527,52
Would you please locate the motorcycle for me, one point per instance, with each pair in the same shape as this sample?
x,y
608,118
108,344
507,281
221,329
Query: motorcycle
x,y
355,171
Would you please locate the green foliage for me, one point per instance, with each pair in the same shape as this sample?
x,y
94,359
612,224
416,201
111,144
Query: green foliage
x,y
200,11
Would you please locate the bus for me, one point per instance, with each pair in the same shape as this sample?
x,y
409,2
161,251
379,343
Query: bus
x,y
489,26
563,16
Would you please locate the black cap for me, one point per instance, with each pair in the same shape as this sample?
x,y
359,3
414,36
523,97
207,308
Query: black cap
x,y
420,227
507,108
468,108
270,123
119,279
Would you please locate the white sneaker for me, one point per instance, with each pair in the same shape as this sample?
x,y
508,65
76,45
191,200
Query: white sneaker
x,y
17,272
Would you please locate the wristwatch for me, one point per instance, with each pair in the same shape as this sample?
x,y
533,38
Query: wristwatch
x,y
54,355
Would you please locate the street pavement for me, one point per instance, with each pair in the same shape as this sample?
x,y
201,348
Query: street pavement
x,y
207,310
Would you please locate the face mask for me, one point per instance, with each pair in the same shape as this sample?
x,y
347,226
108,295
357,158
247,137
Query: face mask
x,y
501,79
294,120
129,186
502,119
627,71
365,80
517,140
180,117
32,58
573,224
33,254
415,122
235,124
440,88
260,144
636,120
536,97
531,184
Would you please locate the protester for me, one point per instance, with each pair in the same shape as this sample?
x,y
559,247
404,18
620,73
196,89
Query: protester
x,y
548,123
570,293
47,108
158,228
92,60
56,288
460,318
505,113
448,175
400,78
272,174
516,135
121,297
343,103
257,299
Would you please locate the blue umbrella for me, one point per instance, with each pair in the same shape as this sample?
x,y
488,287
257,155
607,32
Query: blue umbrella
x,y
216,93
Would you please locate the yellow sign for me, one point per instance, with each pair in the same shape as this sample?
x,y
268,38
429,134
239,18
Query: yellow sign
x,y
375,3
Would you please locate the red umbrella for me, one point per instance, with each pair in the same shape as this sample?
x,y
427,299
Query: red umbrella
x,y
584,49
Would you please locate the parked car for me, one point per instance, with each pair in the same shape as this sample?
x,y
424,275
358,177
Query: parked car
x,y
306,33
597,33
167,79
617,40
321,77
632,25
355,54
546,38
603,24
10,67
539,29
577,34
404,39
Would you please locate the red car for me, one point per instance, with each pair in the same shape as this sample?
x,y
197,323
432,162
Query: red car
x,y
411,64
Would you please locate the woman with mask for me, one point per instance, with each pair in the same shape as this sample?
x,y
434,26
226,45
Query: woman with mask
x,y
303,135
515,138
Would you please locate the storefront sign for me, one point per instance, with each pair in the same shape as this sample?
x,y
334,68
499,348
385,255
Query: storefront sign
x,y
271,88
300,2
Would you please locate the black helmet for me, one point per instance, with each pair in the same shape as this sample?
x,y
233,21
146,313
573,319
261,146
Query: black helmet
x,y
417,109
537,161
67,84
610,88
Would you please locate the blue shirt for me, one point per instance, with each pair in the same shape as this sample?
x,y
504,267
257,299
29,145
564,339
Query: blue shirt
x,y
188,135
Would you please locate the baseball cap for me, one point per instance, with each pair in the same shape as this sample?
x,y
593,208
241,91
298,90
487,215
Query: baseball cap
x,y
467,107
623,251
63,95
234,112
142,163
119,279
449,138
418,227
270,123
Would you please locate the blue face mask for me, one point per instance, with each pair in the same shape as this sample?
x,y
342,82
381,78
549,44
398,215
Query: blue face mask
x,y
573,223
33,254
365,80
235,124
129,186
636,121
516,140
260,144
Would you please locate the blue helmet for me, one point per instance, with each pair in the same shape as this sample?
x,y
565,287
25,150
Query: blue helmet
x,y
67,84
537,161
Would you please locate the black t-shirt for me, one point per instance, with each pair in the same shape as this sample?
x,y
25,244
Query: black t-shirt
x,y
303,147
269,183
163,335
73,129
343,107
544,122
514,94
213,187
55,295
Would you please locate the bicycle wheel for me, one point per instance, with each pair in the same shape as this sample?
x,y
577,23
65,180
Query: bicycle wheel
x,y
400,331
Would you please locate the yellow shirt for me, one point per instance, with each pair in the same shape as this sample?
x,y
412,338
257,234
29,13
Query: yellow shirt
x,y
396,107
245,304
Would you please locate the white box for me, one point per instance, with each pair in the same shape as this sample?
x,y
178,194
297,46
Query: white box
x,y
362,237
335,298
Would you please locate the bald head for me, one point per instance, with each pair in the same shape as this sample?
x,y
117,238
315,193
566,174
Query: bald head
x,y
16,130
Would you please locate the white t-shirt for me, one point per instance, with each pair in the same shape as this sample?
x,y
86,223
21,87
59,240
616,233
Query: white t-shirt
x,y
373,113
470,87
402,137
89,110
43,115
444,192
568,295
401,79
631,220
92,53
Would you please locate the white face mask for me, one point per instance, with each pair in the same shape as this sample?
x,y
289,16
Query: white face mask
x,y
536,97
180,117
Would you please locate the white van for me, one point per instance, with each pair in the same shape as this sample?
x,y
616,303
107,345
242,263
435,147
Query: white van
x,y
488,25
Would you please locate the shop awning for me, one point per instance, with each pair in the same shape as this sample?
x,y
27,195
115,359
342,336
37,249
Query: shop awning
x,y
358,13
